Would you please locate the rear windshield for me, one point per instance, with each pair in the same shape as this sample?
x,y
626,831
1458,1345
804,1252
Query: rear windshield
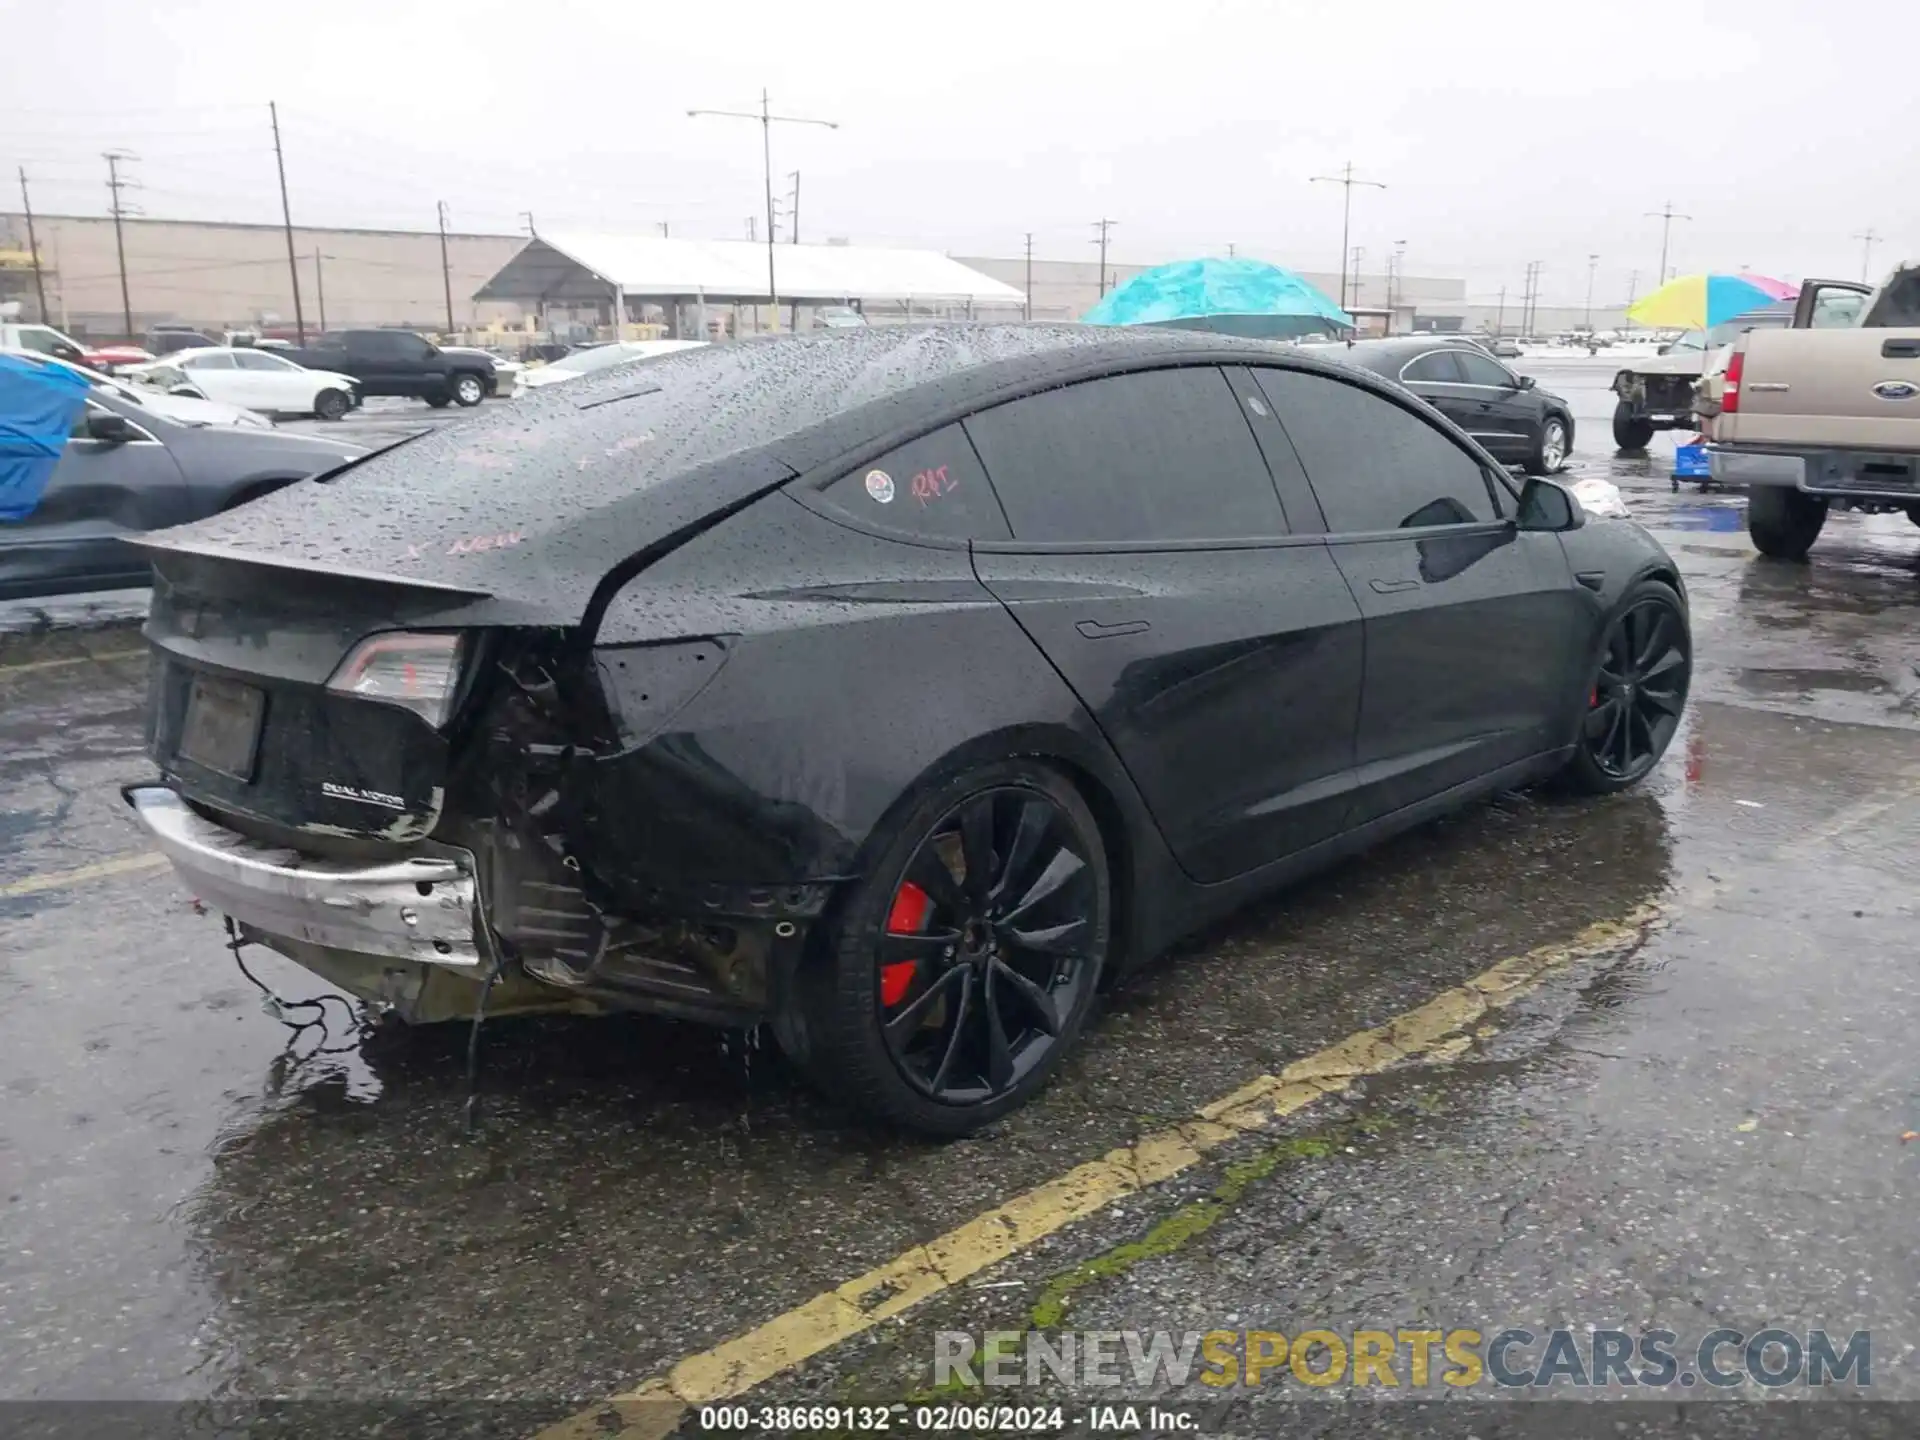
x,y
531,494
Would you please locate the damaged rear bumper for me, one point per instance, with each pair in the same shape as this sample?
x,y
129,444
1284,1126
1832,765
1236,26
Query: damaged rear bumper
x,y
421,909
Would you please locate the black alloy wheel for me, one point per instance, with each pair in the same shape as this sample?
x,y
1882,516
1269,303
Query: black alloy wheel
x,y
967,962
1639,693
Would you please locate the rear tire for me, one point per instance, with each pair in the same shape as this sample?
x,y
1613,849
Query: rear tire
x,y
1636,693
331,404
1630,431
439,402
1913,513
959,1040
1783,522
468,390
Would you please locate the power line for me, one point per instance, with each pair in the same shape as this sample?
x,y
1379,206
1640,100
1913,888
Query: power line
x,y
33,247
286,219
767,120
114,186
1346,181
1666,217
1867,240
1103,226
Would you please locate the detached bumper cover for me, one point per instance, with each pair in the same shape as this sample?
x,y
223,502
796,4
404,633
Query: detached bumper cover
x,y
420,909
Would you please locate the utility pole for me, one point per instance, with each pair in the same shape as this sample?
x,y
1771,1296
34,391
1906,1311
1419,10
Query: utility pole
x,y
1230,250
665,233
1666,218
1593,263
1865,237
1026,303
1358,252
1103,226
752,234
527,215
1500,316
320,291
1346,181
1633,289
446,270
33,249
1396,283
768,120
286,220
114,186
793,210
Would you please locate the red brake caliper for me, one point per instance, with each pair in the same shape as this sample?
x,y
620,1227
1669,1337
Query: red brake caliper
x,y
911,906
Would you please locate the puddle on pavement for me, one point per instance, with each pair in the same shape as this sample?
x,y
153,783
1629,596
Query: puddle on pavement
x,y
1806,682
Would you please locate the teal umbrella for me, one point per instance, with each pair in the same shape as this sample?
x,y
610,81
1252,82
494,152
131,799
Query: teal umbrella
x,y
1234,297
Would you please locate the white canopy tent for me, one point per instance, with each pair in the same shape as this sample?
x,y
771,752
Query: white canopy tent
x,y
575,268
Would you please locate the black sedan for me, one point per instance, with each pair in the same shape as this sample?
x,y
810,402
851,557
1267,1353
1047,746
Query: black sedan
x,y
1517,423
898,687
130,467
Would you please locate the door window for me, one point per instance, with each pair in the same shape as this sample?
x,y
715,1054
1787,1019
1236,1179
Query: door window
x,y
932,486
1153,455
1437,367
1836,309
1374,465
1484,370
39,339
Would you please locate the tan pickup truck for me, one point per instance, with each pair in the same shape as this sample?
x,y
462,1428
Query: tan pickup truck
x,y
1822,416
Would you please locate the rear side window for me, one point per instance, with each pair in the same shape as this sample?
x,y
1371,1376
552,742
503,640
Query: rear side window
x,y
1374,465
1154,455
1438,367
932,486
1481,370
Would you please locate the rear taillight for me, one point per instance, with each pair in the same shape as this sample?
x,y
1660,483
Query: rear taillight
x,y
1730,390
418,671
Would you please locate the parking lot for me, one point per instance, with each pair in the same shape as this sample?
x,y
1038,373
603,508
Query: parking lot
x,y
1686,1110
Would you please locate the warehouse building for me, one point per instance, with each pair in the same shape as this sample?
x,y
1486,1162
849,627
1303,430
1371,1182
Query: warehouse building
x,y
237,277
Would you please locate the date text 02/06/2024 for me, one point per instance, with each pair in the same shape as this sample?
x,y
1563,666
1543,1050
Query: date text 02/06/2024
x,y
958,1419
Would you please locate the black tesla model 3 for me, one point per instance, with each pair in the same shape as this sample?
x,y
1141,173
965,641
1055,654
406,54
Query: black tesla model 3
x,y
895,686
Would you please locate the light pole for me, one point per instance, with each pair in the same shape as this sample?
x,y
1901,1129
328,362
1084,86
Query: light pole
x,y
1346,181
1593,262
768,120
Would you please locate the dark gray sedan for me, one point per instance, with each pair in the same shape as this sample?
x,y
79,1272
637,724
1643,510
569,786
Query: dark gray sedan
x,y
128,469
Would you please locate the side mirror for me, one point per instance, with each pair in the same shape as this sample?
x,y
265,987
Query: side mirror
x,y
1663,349
110,428
1545,505
1526,381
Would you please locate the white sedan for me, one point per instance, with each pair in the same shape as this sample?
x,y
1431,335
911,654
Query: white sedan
x,y
255,379
600,357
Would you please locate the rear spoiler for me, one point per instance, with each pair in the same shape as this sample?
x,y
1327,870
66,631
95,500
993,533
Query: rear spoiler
x,y
161,543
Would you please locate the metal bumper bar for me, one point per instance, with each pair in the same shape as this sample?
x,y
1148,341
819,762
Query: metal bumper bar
x,y
420,909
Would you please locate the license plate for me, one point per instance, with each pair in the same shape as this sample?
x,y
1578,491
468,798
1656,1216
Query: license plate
x,y
222,728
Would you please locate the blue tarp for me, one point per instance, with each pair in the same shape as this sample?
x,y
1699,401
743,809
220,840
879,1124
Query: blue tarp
x,y
38,405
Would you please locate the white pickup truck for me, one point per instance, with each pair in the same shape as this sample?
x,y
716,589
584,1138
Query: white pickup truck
x,y
1824,415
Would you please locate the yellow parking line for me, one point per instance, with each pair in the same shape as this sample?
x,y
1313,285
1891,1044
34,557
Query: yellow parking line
x,y
66,879
1431,1031
31,665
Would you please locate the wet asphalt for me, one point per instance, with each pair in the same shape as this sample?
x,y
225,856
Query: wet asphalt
x,y
1701,1129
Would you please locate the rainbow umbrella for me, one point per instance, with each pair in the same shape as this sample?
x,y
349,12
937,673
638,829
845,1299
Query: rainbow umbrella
x,y
1778,289
1699,302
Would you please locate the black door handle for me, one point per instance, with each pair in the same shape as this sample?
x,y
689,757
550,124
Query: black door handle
x,y
1900,349
1094,630
1393,587
1595,580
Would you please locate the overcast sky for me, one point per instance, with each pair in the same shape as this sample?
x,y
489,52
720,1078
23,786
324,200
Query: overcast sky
x,y
1504,133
